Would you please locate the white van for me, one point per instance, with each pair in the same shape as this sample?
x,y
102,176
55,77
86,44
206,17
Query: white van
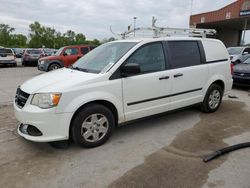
x,y
122,81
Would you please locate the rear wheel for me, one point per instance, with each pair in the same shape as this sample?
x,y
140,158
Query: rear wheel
x,y
212,99
92,126
54,66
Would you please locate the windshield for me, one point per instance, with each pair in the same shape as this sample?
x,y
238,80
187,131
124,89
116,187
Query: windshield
x,y
103,57
5,50
247,61
59,51
234,51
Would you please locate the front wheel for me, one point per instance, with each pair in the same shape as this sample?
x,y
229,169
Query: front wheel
x,y
92,126
54,67
212,99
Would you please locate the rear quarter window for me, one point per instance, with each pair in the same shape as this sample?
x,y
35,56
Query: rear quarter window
x,y
215,50
184,54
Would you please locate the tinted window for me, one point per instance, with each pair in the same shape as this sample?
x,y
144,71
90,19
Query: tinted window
x,y
92,47
5,50
247,50
184,53
71,51
149,57
84,50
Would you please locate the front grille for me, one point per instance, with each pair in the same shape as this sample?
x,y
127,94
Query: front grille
x,y
242,74
21,98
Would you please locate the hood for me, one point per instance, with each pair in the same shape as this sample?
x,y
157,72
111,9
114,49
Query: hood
x,y
56,81
243,68
53,57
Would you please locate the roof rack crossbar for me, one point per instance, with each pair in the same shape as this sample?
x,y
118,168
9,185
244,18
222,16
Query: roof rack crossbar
x,y
157,32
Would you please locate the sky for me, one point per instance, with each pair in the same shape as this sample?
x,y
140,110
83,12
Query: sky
x,y
94,17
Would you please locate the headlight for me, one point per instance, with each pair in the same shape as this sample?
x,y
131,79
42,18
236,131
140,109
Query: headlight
x,y
42,62
46,100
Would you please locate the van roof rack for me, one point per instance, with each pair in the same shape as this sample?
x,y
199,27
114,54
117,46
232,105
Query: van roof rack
x,y
157,32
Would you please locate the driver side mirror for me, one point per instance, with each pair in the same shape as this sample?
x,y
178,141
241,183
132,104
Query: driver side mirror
x,y
245,53
131,69
65,54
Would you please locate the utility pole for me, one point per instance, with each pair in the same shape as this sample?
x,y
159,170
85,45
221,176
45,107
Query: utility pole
x,y
134,24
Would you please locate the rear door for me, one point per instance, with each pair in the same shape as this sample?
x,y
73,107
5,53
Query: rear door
x,y
147,93
189,72
71,55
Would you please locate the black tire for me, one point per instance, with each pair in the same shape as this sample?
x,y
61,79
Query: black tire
x,y
54,66
15,65
24,63
209,106
86,114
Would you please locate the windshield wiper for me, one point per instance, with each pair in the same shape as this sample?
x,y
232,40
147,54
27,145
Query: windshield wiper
x,y
79,69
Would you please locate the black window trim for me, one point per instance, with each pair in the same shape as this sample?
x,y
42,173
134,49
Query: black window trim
x,y
117,74
201,52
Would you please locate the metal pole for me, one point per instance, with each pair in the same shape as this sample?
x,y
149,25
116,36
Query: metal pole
x,y
244,32
134,25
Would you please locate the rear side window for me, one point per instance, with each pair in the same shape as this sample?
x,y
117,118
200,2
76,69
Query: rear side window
x,y
184,53
84,50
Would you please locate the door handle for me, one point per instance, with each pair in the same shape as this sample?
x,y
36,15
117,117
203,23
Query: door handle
x,y
164,78
178,75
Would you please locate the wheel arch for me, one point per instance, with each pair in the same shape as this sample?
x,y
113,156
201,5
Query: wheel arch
x,y
54,62
105,103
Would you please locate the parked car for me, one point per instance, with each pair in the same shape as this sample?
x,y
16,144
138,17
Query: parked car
x,y
49,51
241,73
18,52
64,57
31,56
238,54
122,81
7,57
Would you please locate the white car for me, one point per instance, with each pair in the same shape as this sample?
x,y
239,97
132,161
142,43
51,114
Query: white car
x,y
122,81
7,57
238,54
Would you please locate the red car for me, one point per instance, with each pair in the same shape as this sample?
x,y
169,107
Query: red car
x,y
64,57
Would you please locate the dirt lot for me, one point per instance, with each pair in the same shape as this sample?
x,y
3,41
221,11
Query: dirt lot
x,y
164,151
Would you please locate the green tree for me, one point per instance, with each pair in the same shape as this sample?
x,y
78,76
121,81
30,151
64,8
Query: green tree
x,y
80,38
5,34
18,40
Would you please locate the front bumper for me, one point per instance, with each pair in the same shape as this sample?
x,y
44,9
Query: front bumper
x,y
53,126
42,67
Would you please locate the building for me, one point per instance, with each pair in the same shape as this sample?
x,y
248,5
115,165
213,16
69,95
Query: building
x,y
230,22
